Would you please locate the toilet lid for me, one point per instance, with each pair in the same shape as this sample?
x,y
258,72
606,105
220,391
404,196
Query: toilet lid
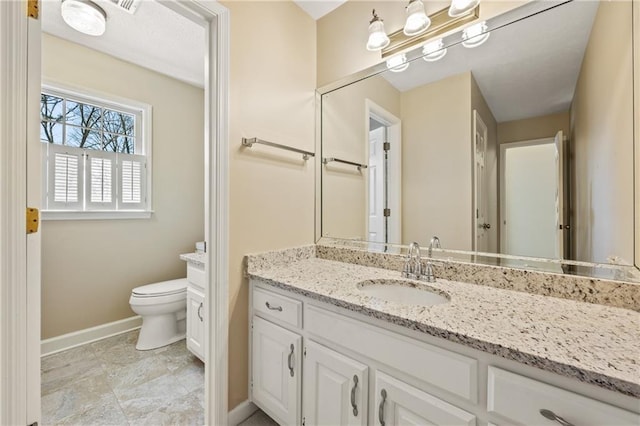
x,y
162,288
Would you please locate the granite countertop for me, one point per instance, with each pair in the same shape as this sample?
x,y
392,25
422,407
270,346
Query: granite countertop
x,y
592,343
196,259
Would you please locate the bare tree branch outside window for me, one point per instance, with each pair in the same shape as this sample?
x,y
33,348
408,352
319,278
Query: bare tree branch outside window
x,y
82,125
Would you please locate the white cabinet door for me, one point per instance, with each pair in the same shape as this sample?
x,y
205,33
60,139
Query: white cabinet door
x,y
335,388
398,403
195,322
275,361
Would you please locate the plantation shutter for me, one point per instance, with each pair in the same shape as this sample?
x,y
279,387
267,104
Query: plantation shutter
x,y
101,184
132,182
65,170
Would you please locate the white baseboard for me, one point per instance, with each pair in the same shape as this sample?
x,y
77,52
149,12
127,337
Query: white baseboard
x,y
88,335
242,412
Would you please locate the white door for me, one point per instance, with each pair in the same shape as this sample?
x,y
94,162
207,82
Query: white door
x,y
275,372
398,403
34,199
377,198
384,179
195,322
560,209
529,198
481,227
335,388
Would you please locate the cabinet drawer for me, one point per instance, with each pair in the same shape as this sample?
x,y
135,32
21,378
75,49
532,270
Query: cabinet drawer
x,y
398,403
439,367
275,306
196,276
520,400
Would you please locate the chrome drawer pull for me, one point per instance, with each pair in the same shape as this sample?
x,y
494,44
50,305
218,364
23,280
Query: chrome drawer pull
x,y
273,308
290,361
200,312
353,395
548,414
383,393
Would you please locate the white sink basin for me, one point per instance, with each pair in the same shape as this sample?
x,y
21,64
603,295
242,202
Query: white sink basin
x,y
401,291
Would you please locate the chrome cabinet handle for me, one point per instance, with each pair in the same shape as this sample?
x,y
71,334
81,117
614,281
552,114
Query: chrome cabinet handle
x,y
290,361
383,393
548,414
273,308
353,395
200,312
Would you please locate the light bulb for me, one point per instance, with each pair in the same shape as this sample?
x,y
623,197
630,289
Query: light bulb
x,y
378,38
397,63
417,20
475,35
434,50
462,7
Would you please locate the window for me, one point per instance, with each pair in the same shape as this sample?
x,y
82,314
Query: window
x,y
96,155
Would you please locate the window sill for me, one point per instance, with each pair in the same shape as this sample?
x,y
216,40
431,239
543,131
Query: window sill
x,y
95,215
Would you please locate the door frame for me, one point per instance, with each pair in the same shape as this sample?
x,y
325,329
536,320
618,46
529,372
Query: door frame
x,y
394,136
15,361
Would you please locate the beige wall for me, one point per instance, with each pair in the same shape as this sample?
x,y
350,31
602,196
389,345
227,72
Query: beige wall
x,y
436,162
479,104
342,34
545,126
271,191
90,266
602,140
344,188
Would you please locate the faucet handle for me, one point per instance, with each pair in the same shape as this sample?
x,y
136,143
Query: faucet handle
x,y
429,276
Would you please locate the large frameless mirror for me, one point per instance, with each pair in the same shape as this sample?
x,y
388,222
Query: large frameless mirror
x,y
517,144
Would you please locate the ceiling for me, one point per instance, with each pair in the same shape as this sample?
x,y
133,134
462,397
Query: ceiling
x,y
155,37
318,8
526,69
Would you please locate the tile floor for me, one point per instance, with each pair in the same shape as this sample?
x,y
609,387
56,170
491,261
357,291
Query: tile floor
x,y
109,382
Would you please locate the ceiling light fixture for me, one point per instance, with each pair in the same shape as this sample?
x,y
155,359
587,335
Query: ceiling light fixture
x,y
462,7
417,20
397,63
475,35
84,16
378,38
434,50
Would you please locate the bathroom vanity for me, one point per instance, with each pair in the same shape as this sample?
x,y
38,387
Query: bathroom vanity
x,y
323,351
195,303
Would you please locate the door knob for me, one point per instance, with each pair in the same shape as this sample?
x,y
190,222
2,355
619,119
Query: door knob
x,y
486,226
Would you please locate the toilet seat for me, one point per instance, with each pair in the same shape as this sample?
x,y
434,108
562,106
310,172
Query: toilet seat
x,y
164,288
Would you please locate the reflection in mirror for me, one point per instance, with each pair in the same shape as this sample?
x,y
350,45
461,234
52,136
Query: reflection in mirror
x,y
521,145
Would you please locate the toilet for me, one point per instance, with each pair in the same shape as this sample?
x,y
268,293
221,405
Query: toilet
x,y
163,308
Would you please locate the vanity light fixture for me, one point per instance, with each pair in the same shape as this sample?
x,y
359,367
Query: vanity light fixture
x,y
417,20
378,38
434,50
420,27
84,16
475,35
462,7
398,63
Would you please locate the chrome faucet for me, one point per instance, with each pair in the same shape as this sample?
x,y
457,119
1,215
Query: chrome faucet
x,y
413,263
429,276
435,242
